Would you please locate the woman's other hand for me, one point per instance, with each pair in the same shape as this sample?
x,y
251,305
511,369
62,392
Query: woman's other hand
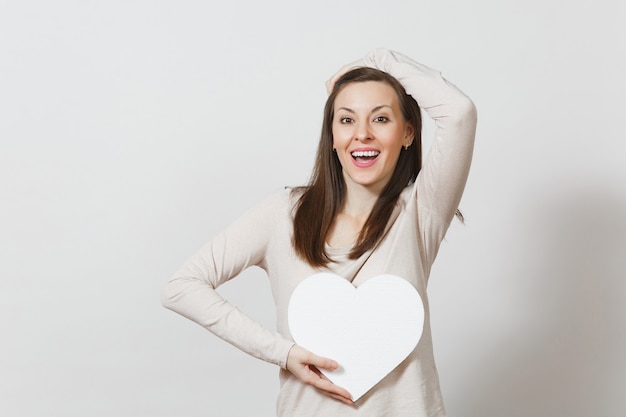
x,y
306,365
376,58
330,84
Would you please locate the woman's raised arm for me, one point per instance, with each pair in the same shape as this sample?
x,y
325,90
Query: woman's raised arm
x,y
445,170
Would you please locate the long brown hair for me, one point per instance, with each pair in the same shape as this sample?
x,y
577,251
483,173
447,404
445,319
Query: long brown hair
x,y
323,197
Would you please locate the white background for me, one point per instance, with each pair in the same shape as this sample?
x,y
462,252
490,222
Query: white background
x,y
133,131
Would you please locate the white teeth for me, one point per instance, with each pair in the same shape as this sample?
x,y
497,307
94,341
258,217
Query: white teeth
x,y
357,154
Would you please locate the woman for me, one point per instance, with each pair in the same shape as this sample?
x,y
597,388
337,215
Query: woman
x,y
369,209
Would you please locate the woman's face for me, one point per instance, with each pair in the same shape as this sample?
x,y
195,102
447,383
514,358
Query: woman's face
x,y
369,132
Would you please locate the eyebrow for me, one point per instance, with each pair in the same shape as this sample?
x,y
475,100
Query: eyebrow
x,y
374,110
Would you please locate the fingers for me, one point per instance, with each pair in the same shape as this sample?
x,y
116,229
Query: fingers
x,y
324,384
298,355
330,84
304,365
322,363
333,390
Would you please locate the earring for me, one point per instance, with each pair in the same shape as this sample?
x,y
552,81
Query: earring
x,y
406,147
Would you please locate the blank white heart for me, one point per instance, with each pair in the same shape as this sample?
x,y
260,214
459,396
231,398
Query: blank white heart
x,y
368,330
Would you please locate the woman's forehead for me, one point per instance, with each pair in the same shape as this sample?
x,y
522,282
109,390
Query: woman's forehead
x,y
366,94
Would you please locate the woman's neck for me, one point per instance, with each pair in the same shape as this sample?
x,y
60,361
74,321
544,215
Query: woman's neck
x,y
351,217
358,203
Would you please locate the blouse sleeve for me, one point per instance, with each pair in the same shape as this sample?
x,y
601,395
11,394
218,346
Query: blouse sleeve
x,y
191,290
441,181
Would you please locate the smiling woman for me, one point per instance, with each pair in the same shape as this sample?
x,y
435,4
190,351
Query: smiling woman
x,y
370,210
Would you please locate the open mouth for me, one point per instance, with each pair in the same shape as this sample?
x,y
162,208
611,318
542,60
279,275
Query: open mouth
x,y
364,156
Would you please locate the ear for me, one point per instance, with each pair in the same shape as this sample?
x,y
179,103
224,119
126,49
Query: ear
x,y
409,134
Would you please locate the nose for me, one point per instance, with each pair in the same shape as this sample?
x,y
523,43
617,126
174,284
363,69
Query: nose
x,y
362,132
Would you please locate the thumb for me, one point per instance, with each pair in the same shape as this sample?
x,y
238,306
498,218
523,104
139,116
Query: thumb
x,y
323,363
330,84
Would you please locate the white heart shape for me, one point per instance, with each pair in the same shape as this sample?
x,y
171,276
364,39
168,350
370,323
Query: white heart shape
x,y
368,330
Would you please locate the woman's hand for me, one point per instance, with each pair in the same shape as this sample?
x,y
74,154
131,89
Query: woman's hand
x,y
305,366
330,84
376,58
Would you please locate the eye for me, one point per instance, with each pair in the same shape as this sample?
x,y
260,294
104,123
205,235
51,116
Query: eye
x,y
381,119
345,120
